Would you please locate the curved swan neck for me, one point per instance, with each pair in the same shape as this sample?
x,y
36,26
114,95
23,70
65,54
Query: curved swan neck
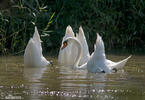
x,y
79,55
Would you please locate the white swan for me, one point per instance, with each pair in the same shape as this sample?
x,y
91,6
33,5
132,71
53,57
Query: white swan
x,y
33,53
68,55
97,62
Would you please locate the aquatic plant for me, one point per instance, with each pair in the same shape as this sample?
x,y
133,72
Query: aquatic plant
x,y
17,24
120,23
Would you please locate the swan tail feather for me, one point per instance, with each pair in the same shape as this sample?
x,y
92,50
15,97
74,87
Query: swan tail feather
x,y
99,47
36,36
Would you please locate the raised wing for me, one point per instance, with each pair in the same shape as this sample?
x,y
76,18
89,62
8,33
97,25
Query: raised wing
x,y
85,55
97,62
118,65
68,33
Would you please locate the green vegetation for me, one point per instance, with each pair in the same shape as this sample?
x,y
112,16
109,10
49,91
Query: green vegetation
x,y
121,23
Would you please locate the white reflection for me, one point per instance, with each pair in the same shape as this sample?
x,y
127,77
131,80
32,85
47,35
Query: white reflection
x,y
71,78
72,82
33,76
99,80
80,83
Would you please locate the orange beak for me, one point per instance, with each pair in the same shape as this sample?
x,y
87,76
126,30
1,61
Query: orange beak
x,y
64,45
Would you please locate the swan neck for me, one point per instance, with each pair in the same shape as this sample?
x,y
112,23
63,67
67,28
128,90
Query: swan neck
x,y
79,55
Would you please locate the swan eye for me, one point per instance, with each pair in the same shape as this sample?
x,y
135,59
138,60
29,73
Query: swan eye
x,y
64,45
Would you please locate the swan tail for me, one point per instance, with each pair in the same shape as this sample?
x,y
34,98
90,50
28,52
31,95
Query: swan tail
x,y
121,64
99,47
36,36
99,42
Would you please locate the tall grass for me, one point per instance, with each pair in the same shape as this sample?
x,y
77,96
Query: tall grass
x,y
17,24
121,23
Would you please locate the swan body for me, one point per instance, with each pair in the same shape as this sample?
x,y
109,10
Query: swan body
x,y
68,55
33,53
97,61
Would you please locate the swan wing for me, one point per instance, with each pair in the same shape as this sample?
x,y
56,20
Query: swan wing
x,y
109,62
85,55
32,55
68,33
97,61
119,65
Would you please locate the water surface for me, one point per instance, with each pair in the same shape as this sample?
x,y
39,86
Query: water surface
x,y
65,83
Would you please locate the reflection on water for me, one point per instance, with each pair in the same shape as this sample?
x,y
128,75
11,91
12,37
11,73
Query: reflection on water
x,y
65,83
34,75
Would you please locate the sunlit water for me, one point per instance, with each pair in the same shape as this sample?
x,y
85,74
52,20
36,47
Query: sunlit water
x,y
65,83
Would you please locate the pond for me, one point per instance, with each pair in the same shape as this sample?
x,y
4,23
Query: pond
x,y
64,83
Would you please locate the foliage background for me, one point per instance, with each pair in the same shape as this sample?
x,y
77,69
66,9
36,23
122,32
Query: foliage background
x,y
121,23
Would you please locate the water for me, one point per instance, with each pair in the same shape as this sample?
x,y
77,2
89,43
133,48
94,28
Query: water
x,y
64,83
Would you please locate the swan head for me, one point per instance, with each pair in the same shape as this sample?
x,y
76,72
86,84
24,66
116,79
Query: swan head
x,y
65,43
73,41
68,41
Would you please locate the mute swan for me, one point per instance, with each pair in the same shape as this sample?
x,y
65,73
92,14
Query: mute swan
x,y
68,55
97,61
33,53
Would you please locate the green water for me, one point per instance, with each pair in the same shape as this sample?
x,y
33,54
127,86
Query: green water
x,y
64,83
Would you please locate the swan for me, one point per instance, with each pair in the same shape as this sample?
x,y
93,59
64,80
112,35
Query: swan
x,y
68,55
97,61
33,53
